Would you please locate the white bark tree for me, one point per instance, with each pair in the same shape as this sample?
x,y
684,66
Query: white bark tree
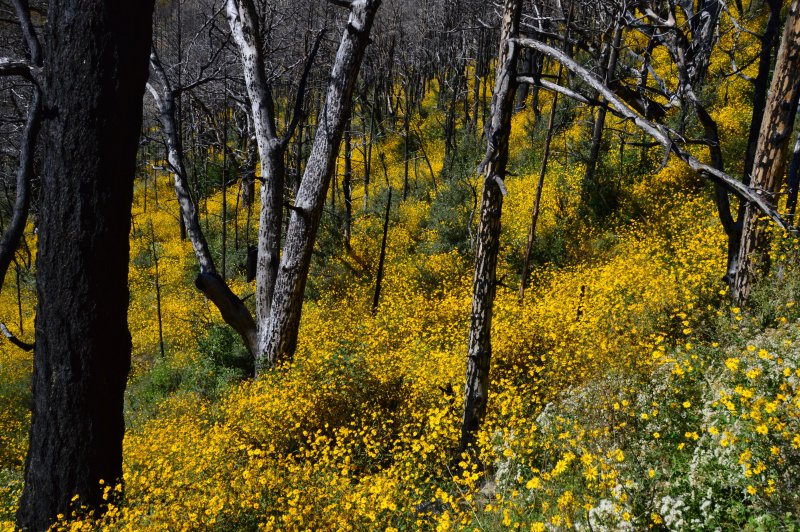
x,y
278,334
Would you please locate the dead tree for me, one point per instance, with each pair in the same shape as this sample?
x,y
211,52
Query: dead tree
x,y
690,53
590,185
484,284
26,69
347,185
93,81
773,143
793,181
526,260
278,335
272,146
376,297
13,234
233,309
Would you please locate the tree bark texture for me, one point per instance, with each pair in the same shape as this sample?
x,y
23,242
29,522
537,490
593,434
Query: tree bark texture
x,y
279,337
242,18
773,143
479,351
94,77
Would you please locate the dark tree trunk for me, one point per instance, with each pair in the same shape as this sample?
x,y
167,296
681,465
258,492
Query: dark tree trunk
x,y
157,280
223,263
369,141
476,83
94,78
761,83
528,63
347,185
406,126
590,191
484,283
13,234
773,142
733,228
526,260
376,296
793,180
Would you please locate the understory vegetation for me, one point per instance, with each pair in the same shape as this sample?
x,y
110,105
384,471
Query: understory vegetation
x,y
626,392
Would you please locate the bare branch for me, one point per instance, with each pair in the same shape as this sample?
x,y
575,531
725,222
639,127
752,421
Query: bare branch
x,y
25,346
566,91
24,16
13,234
663,135
15,67
301,91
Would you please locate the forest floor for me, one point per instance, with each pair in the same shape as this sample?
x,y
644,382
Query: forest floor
x,y
626,393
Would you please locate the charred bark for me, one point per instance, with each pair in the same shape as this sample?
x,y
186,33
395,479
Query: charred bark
x,y
94,78
347,186
773,143
479,350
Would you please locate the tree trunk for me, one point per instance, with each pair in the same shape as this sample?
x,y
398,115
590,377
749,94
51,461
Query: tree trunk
x,y
528,62
761,83
484,282
406,125
526,260
279,337
369,141
94,77
590,191
376,297
223,262
242,18
773,142
347,185
793,180
12,235
233,309
733,228
158,291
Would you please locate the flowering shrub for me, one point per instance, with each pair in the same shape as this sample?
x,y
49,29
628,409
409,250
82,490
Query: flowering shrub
x,y
624,393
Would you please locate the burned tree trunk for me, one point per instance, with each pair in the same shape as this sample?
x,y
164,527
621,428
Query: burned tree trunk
x,y
376,296
479,351
278,338
773,142
526,259
93,81
233,309
590,191
347,185
243,21
12,235
793,180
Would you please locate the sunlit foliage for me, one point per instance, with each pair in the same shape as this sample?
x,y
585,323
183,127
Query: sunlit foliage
x,y
626,394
